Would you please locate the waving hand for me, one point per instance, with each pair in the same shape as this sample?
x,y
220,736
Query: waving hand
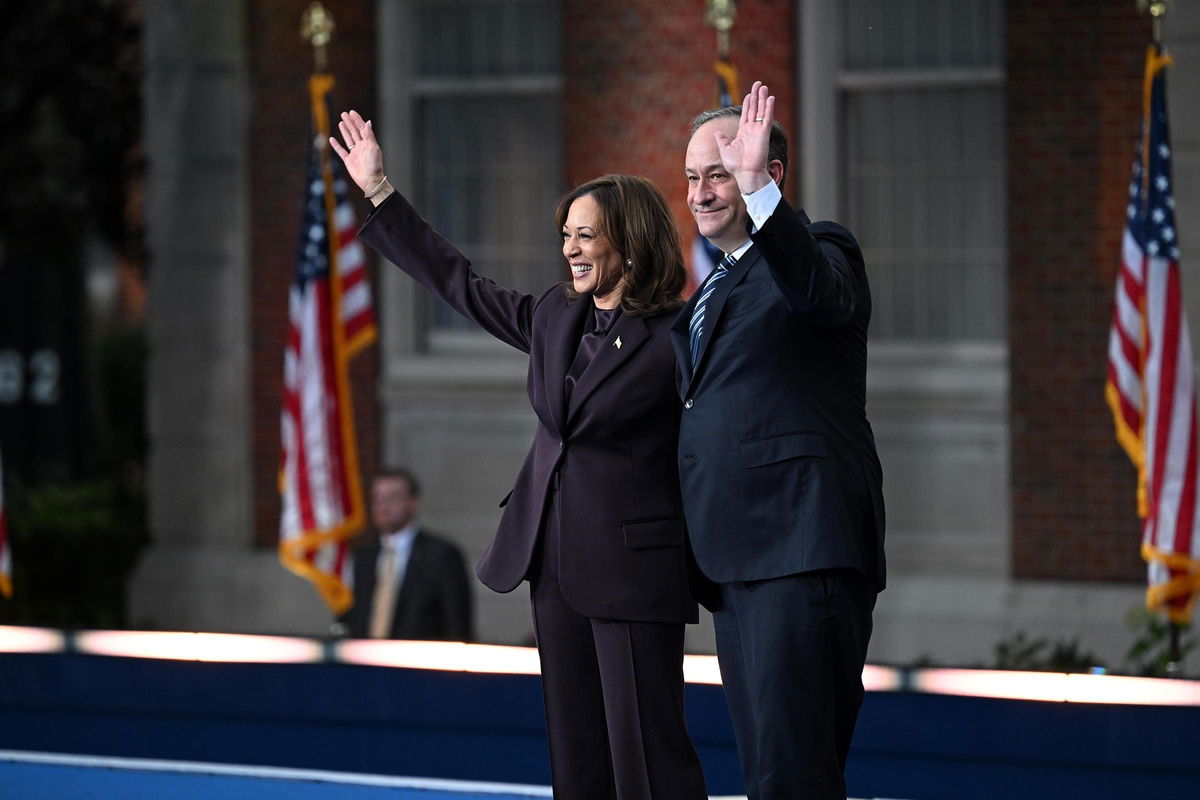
x,y
361,153
745,155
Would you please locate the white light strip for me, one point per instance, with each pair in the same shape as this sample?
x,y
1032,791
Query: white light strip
x,y
882,679
1135,691
15,639
459,657
1058,687
482,658
702,670
991,683
220,647
451,656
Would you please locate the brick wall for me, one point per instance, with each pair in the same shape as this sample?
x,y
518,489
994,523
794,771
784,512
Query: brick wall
x,y
637,71
1074,99
279,135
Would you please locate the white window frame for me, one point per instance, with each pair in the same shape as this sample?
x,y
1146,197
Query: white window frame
x,y
939,409
819,120
411,348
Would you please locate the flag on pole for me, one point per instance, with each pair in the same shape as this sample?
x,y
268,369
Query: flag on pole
x,y
1150,387
5,553
705,255
727,82
329,320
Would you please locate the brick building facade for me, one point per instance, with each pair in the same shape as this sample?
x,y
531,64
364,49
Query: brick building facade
x,y
1074,98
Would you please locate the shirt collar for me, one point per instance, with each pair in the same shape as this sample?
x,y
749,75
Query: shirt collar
x,y
604,318
400,538
741,251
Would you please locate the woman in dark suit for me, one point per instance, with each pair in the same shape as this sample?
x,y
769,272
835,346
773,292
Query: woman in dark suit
x,y
594,521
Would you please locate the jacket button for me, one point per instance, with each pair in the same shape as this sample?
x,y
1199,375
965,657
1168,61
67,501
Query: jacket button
x,y
687,403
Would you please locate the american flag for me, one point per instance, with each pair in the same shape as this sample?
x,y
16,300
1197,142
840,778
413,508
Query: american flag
x,y
5,553
1150,387
329,319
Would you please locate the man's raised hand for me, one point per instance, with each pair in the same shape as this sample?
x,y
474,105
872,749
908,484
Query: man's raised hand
x,y
745,156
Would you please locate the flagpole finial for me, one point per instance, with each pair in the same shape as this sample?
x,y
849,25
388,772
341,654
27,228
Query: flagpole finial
x,y
720,14
1157,9
316,26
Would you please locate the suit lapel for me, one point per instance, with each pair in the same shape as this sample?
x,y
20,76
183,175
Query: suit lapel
x,y
562,342
633,332
716,304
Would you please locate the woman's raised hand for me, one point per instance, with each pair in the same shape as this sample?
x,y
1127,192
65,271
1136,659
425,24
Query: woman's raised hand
x,y
361,154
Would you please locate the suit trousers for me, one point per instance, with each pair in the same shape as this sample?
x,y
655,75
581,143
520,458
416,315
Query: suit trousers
x,y
791,651
613,691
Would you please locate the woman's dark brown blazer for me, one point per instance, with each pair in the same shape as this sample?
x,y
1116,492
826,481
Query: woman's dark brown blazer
x,y
611,449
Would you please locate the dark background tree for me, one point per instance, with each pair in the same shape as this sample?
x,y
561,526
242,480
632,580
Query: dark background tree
x,y
71,385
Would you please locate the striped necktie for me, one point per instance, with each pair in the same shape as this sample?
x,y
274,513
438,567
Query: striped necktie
x,y
696,326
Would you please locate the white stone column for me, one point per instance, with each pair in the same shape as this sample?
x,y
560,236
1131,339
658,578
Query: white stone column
x,y
202,570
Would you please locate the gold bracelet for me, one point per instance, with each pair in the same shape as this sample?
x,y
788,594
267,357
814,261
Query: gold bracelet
x,y
378,188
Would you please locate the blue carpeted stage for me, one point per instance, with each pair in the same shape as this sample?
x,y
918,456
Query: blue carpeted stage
x,y
46,775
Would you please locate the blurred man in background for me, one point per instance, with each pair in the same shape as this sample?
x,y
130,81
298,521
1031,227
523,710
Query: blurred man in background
x,y
408,583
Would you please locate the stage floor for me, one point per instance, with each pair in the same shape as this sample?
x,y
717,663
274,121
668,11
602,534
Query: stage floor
x,y
55,776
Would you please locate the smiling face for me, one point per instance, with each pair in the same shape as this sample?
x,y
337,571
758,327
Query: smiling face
x,y
713,194
596,266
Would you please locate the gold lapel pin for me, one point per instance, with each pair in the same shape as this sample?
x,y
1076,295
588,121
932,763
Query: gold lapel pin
x,y
617,343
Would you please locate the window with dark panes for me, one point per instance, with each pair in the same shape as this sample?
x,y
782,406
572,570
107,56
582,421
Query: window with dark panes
x,y
921,86
486,90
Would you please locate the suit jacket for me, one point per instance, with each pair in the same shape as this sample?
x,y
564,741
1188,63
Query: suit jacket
x,y
434,601
776,456
610,451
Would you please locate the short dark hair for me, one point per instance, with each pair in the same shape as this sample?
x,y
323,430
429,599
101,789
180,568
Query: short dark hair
x,y
777,148
400,473
635,217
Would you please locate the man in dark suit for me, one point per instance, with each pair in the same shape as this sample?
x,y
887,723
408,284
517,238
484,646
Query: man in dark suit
x,y
782,487
408,583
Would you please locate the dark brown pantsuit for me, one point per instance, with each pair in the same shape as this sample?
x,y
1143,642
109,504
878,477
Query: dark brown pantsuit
x,y
614,688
